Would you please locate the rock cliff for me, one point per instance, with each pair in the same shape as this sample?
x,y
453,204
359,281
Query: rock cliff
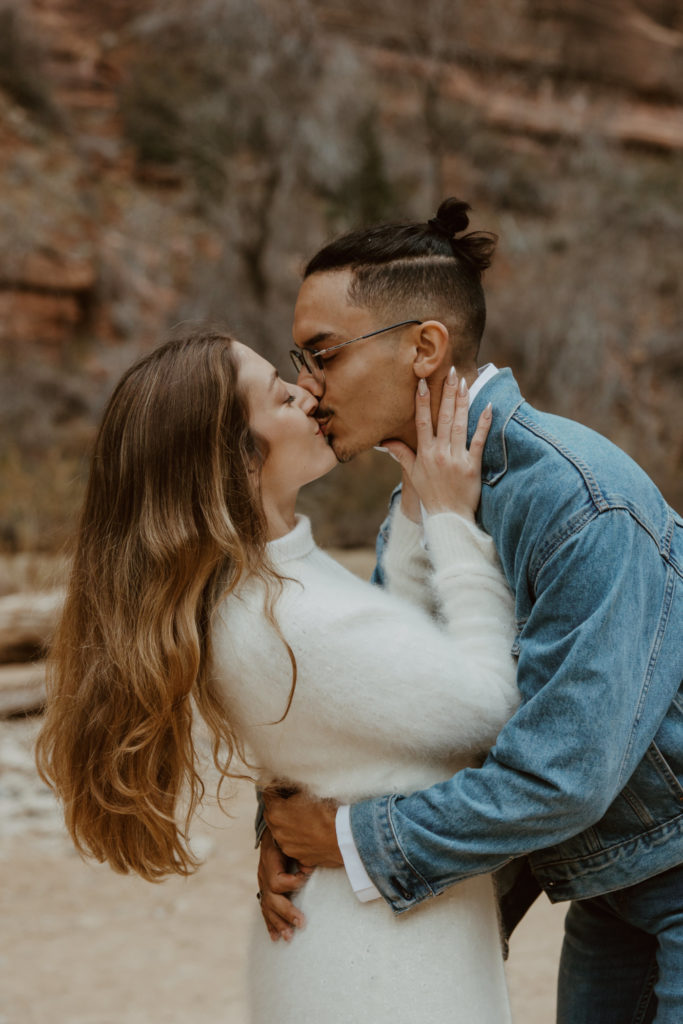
x,y
168,161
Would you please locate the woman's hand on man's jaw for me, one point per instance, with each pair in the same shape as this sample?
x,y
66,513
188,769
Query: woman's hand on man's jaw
x,y
445,475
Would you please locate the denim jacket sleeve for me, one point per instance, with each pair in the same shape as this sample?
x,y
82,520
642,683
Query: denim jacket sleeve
x,y
587,657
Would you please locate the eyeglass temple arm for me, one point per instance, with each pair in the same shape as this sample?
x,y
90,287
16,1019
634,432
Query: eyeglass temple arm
x,y
362,337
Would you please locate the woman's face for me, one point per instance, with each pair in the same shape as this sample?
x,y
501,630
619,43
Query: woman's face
x,y
283,415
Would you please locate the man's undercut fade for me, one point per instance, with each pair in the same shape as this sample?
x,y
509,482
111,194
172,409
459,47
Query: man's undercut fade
x,y
419,270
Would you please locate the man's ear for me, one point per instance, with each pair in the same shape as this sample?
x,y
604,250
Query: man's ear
x,y
433,346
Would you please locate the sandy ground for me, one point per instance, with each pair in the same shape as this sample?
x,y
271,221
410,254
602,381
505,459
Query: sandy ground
x,y
82,945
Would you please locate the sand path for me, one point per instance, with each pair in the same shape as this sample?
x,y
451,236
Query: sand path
x,y
81,945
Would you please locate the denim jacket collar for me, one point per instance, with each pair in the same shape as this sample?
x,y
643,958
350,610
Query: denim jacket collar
x,y
503,393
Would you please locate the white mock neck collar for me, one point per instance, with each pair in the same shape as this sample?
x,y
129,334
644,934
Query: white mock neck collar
x,y
296,544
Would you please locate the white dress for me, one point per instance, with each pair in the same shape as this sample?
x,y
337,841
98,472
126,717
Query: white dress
x,y
387,700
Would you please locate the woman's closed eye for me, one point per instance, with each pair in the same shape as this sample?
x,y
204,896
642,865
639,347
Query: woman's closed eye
x,y
287,397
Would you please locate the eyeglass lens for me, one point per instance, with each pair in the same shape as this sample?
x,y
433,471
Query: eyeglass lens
x,y
303,360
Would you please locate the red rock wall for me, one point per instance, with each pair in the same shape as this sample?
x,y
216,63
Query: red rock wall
x,y
531,110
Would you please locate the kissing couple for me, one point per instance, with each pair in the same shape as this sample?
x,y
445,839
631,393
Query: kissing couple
x,y
500,714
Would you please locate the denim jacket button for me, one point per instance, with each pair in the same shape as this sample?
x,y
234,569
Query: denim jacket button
x,y
401,888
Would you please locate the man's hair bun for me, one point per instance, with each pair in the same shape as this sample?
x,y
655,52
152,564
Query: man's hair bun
x,y
451,220
451,217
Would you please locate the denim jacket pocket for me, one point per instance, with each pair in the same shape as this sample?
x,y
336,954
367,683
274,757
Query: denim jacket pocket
x,y
666,771
665,754
655,790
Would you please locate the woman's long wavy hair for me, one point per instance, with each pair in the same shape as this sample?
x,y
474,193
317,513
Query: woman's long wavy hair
x,y
172,520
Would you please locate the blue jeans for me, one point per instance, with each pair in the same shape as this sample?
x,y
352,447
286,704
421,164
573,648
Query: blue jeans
x,y
622,958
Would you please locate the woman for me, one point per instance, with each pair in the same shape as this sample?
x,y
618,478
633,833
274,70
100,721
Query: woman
x,y
196,585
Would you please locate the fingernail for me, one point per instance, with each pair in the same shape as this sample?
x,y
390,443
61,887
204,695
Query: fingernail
x,y
422,388
462,390
452,377
488,411
288,935
379,448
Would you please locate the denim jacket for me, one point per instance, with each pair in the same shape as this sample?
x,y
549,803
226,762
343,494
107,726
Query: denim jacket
x,y
587,777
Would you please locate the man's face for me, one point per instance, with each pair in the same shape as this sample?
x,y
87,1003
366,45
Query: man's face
x,y
369,393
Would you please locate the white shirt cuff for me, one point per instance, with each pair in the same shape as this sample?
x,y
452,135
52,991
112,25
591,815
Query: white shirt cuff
x,y
361,883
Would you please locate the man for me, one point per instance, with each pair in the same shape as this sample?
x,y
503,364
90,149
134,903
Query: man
x,y
586,780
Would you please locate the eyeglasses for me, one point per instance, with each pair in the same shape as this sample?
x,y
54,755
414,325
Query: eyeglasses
x,y
307,360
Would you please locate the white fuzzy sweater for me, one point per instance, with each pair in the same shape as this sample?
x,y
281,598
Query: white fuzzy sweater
x,y
387,699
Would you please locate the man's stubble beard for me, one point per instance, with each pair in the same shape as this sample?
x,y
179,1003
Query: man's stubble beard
x,y
343,455
345,452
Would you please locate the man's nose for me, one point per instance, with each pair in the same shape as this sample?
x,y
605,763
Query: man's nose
x,y
311,383
306,401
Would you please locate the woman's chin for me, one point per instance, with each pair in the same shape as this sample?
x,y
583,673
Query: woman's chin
x,y
319,471
332,464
